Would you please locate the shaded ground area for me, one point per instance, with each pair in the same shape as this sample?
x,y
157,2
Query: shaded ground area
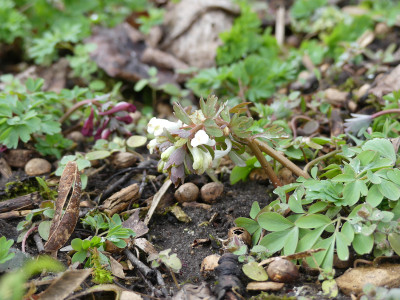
x,y
166,232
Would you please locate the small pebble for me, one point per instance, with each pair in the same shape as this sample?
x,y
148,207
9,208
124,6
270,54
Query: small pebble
x,y
37,166
187,192
210,192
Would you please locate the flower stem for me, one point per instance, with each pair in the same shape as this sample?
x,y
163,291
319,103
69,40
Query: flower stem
x,y
318,159
76,106
211,174
264,163
279,157
385,112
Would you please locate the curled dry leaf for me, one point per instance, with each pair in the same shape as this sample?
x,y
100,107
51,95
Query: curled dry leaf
x,y
120,200
64,222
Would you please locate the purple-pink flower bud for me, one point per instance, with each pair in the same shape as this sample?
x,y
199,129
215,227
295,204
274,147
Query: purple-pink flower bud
x,y
126,119
121,106
87,129
100,130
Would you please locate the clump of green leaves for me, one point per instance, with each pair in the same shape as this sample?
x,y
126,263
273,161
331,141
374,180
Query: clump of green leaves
x,y
354,204
24,114
114,232
90,250
53,25
5,246
172,261
12,284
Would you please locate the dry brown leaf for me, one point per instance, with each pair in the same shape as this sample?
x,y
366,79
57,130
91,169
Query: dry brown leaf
x,y
116,268
120,293
64,223
353,280
65,285
134,223
387,84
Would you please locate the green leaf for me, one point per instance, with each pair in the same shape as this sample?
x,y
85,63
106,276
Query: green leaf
x,y
342,246
343,178
136,141
330,288
308,241
295,205
98,154
239,173
348,232
389,190
291,241
275,241
273,221
383,146
394,175
363,244
76,244
352,192
255,209
317,207
374,197
181,114
254,271
394,240
250,225
83,163
312,221
79,256
34,85
44,229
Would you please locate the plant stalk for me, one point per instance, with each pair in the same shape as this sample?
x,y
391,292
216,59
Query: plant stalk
x,y
279,157
264,163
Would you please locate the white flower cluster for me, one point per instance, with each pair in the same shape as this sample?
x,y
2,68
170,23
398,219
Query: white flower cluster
x,y
202,158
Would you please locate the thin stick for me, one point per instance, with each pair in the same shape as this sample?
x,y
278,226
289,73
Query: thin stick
x,y
174,278
282,159
146,271
156,199
318,159
264,163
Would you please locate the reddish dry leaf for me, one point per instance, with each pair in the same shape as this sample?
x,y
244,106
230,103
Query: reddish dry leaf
x,y
65,285
64,222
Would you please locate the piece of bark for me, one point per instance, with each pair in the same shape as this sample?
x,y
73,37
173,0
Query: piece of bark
x,y
336,122
5,169
14,214
121,200
162,59
22,202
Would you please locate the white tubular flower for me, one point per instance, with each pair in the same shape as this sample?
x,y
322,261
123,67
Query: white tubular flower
x,y
160,166
221,153
156,126
165,155
201,138
201,160
152,145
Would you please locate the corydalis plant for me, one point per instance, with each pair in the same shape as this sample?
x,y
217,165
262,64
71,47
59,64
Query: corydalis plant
x,y
199,138
104,118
